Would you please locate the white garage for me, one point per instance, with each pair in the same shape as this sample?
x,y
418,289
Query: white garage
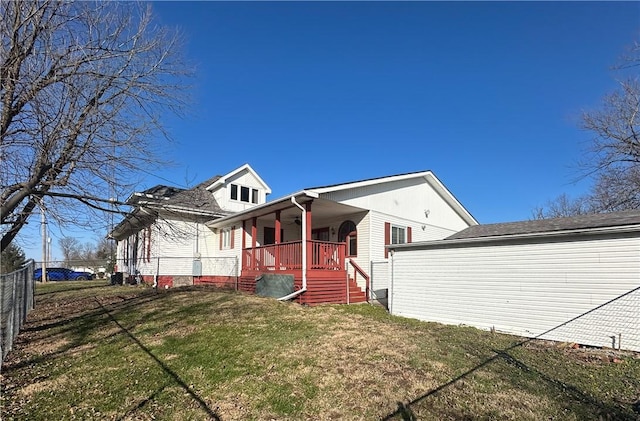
x,y
568,279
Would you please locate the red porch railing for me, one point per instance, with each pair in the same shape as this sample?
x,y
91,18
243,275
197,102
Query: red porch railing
x,y
288,256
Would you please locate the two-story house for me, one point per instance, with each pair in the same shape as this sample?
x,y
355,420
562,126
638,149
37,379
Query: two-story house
x,y
329,240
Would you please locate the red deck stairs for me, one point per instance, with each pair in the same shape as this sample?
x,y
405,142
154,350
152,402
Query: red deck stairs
x,y
356,295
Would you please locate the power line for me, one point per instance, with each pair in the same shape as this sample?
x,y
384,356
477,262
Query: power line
x,y
163,179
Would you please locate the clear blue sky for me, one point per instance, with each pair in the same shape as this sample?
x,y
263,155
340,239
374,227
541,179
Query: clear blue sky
x,y
486,95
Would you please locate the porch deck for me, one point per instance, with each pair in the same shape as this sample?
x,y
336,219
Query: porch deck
x,y
327,277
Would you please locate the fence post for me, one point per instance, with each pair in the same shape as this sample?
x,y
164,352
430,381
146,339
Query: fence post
x,y
12,323
2,330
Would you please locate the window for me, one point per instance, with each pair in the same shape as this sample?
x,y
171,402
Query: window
x,y
398,235
245,194
347,233
395,234
226,238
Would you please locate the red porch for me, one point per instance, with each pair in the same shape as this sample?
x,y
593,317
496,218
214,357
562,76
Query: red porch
x,y
328,280
328,266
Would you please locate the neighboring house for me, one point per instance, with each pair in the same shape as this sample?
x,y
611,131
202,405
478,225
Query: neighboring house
x,y
329,239
568,279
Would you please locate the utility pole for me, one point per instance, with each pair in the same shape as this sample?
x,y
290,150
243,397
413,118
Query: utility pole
x,y
43,221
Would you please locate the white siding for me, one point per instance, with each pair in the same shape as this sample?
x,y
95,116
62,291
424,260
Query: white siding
x,y
408,199
377,228
175,246
526,289
379,273
362,221
243,178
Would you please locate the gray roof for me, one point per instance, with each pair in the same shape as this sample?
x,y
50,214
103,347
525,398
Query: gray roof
x,y
161,191
580,222
198,197
169,200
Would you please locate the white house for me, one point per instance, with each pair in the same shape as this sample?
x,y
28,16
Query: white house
x,y
343,227
567,279
329,239
164,239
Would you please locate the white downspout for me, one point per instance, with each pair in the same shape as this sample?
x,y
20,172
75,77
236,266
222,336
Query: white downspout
x,y
304,253
157,274
390,292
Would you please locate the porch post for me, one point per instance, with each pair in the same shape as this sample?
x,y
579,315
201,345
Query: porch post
x,y
244,243
308,246
254,234
278,240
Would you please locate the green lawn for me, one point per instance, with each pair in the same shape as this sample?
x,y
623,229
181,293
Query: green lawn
x,y
95,351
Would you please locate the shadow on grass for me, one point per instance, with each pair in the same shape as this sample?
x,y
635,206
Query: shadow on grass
x,y
141,404
586,402
571,393
80,327
212,415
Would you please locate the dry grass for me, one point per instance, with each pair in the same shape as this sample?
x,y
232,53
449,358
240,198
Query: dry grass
x,y
91,351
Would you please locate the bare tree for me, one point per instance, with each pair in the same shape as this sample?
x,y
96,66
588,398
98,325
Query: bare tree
x,y
614,154
70,247
612,159
83,87
563,206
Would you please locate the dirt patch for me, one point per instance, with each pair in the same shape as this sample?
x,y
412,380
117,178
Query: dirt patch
x,y
44,385
584,354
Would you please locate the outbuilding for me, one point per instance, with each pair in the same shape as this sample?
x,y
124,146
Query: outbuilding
x,y
573,279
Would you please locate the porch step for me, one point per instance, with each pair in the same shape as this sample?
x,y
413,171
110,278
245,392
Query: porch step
x,y
356,295
324,287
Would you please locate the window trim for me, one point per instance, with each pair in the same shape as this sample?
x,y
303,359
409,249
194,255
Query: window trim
x,y
404,233
388,236
237,192
350,236
226,238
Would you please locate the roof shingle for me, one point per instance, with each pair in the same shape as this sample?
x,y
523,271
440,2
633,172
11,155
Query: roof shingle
x,y
601,220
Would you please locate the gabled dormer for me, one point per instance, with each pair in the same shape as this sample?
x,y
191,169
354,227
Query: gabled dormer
x,y
240,189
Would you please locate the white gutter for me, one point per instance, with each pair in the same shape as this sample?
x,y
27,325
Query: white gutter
x,y
461,242
304,253
260,210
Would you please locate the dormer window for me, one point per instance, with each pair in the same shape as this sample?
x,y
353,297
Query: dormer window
x,y
247,194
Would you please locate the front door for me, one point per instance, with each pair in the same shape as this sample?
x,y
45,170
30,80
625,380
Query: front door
x,y
320,234
270,235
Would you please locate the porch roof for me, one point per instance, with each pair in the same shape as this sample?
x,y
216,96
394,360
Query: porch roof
x,y
321,208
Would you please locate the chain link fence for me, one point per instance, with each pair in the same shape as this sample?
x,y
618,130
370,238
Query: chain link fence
x,y
165,272
16,300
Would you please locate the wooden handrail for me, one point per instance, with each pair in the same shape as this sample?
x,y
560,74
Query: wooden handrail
x,y
358,269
